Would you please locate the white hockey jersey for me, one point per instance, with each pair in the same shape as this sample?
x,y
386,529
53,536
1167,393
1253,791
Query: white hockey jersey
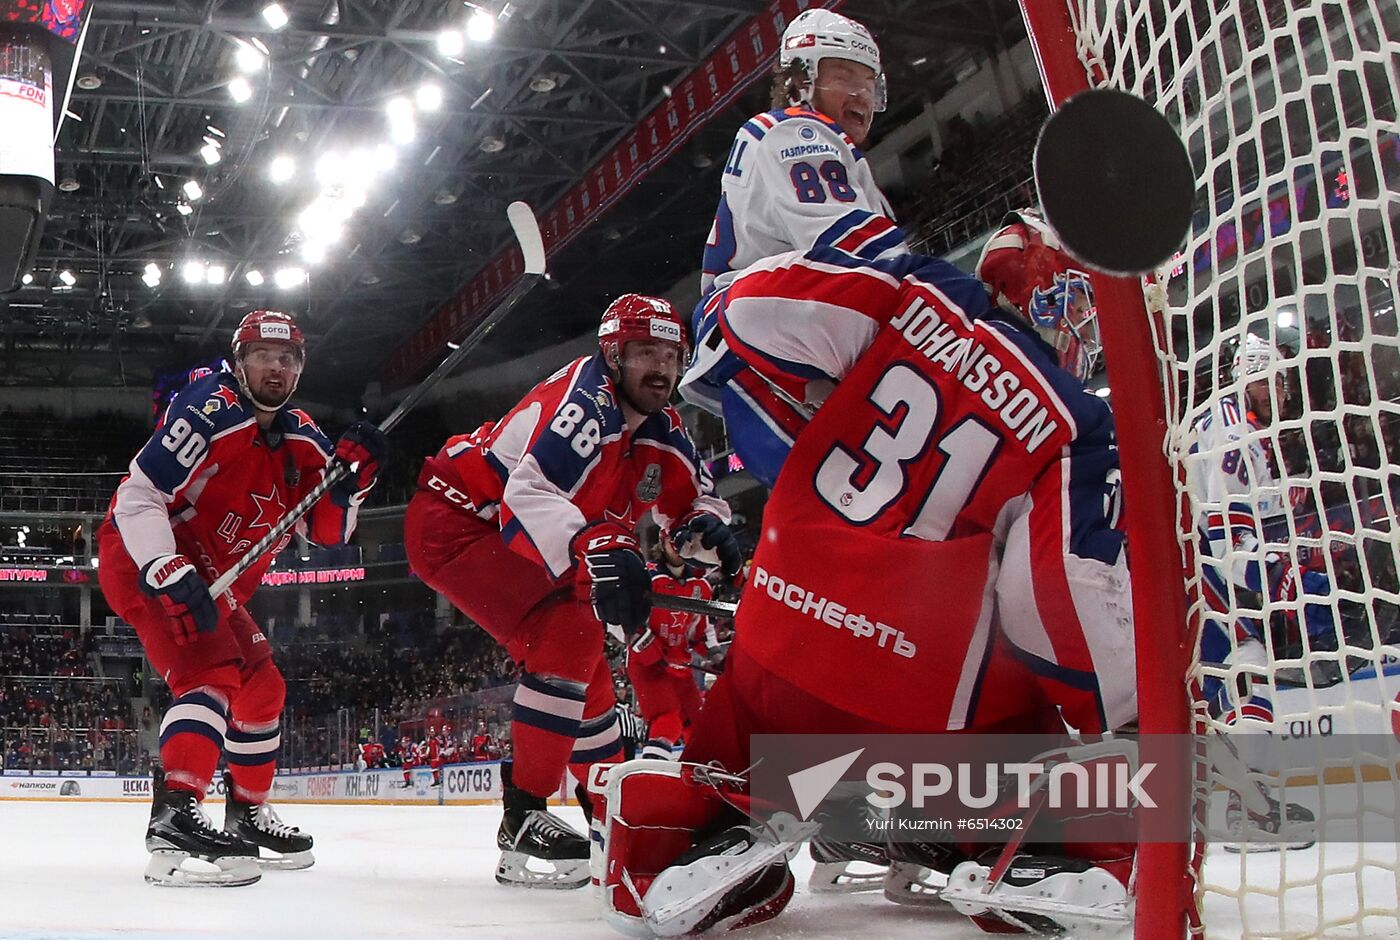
x,y
793,180
1235,487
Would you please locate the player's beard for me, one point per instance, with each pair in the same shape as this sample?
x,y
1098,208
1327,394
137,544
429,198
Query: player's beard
x,y
648,390
268,401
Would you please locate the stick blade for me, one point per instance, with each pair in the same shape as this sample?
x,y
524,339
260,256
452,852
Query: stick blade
x,y
527,233
1115,182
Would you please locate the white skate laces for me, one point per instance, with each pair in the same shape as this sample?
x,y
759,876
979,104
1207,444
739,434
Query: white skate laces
x,y
267,820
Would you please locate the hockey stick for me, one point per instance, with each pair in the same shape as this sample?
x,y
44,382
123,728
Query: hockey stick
x,y
694,605
527,233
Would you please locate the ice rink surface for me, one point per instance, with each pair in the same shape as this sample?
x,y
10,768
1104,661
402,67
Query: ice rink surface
x,y
74,870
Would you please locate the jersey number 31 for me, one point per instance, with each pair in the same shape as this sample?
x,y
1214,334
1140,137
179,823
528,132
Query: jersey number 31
x,y
911,403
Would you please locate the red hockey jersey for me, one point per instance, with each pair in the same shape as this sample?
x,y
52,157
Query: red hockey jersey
x,y
563,458
953,483
209,483
678,634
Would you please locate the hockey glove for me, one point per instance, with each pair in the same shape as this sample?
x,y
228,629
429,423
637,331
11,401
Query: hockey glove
x,y
702,537
614,576
364,448
173,581
1317,618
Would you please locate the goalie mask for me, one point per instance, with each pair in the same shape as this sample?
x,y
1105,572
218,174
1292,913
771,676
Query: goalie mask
x,y
275,328
821,34
1027,271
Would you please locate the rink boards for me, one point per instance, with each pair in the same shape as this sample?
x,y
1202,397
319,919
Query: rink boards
x,y
462,784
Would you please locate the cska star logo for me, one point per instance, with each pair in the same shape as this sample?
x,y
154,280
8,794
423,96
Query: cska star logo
x,y
303,419
226,395
270,510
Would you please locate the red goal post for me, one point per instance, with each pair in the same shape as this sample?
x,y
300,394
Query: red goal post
x,y
1289,109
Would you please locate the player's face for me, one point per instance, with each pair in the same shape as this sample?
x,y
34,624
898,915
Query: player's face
x,y
648,372
271,371
845,92
1260,402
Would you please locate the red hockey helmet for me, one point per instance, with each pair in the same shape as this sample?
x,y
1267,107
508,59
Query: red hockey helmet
x,y
1026,270
638,317
268,326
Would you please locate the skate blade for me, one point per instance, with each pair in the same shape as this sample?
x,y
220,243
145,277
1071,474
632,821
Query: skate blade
x,y
678,900
514,871
911,884
837,878
1251,848
968,892
166,869
293,861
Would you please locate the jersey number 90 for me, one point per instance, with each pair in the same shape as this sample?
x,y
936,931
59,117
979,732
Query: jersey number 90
x,y
181,441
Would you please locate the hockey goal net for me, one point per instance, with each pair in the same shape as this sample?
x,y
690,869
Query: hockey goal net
x,y
1289,111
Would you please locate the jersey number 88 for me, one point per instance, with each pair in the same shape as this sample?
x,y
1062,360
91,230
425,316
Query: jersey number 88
x,y
812,182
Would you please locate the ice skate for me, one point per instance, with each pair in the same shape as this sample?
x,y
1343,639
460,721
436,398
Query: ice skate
x,y
1249,832
919,870
1045,895
735,879
259,825
530,832
842,867
179,831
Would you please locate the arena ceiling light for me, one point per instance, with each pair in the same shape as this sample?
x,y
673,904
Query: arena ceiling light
x,y
240,90
216,274
281,169
192,272
275,16
210,153
67,278
27,279
289,277
151,275
451,42
254,277
313,252
192,190
481,26
184,208
248,58
429,96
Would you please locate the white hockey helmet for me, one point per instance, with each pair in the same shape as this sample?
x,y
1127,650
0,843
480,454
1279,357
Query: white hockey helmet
x,y
814,35
1255,355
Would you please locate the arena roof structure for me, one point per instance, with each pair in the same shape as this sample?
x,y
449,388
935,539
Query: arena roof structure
x,y
351,161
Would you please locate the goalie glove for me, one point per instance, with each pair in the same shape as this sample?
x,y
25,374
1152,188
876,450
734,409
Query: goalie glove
x,y
613,576
364,448
703,537
173,581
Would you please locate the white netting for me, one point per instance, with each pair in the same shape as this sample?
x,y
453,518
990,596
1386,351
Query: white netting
x,y
1289,111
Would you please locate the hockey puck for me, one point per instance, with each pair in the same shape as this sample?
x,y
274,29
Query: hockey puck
x,y
1115,182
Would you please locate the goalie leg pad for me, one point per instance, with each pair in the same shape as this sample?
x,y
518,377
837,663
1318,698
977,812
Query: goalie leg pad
x,y
648,814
